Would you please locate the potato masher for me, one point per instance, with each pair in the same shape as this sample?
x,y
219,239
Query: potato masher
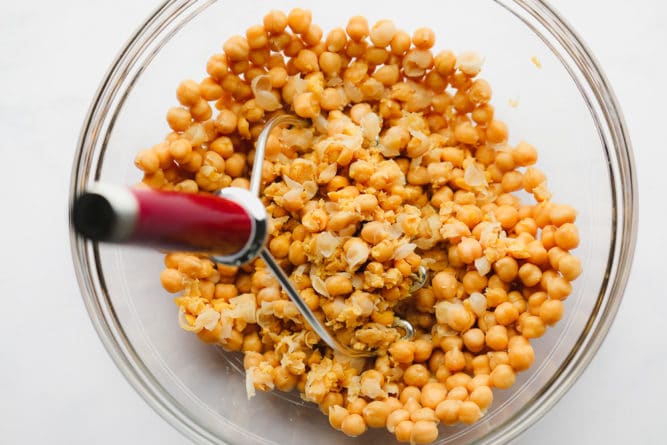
x,y
231,227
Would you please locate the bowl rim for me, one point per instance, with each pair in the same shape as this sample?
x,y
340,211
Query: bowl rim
x,y
555,33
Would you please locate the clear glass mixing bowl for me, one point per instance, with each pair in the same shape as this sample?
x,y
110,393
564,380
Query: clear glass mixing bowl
x,y
565,108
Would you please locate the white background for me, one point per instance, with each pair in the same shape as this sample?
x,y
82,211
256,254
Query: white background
x,y
57,384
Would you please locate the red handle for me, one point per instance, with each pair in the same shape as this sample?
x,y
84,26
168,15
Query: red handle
x,y
185,221
167,220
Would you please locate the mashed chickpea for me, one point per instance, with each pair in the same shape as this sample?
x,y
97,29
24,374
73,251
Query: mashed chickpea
x,y
404,166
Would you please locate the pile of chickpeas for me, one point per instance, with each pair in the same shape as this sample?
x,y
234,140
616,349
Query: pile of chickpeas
x,y
403,165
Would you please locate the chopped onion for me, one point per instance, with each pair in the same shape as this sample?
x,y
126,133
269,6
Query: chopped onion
x,y
321,124
403,251
470,62
477,303
249,384
352,92
371,124
473,176
328,173
311,189
327,244
318,285
482,265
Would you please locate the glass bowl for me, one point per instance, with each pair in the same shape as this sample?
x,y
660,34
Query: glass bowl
x,y
565,108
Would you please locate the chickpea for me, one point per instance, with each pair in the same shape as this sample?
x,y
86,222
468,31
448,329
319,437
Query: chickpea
x,y
521,357
424,432
558,288
469,250
402,351
375,414
532,326
506,268
275,21
400,43
524,154
496,337
506,313
503,376
496,132
469,412
403,430
179,119
551,311
357,28
448,411
353,425
306,105
569,266
482,396
236,48
432,394
567,236
416,375
395,417
530,274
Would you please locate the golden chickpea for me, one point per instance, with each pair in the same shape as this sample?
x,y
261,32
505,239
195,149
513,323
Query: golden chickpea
x,y
521,356
469,412
395,417
299,20
569,266
473,339
503,376
496,132
402,351
558,288
188,93
235,165
306,105
567,236
275,21
423,348
410,392
416,375
353,425
424,432
338,285
236,48
506,268
432,394
530,274
403,430
306,61
375,414
466,133
448,411
172,280
226,122
423,38
382,33
524,154
400,43
357,28
482,396
469,250
551,311
506,313
179,119
454,360
532,326
336,40
496,337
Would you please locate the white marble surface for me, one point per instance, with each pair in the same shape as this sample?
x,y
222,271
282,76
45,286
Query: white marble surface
x,y
57,383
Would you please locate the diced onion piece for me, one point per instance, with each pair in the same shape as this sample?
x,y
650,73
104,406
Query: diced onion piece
x,y
482,265
404,250
477,303
249,382
328,173
470,62
327,244
318,285
473,176
371,124
292,183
